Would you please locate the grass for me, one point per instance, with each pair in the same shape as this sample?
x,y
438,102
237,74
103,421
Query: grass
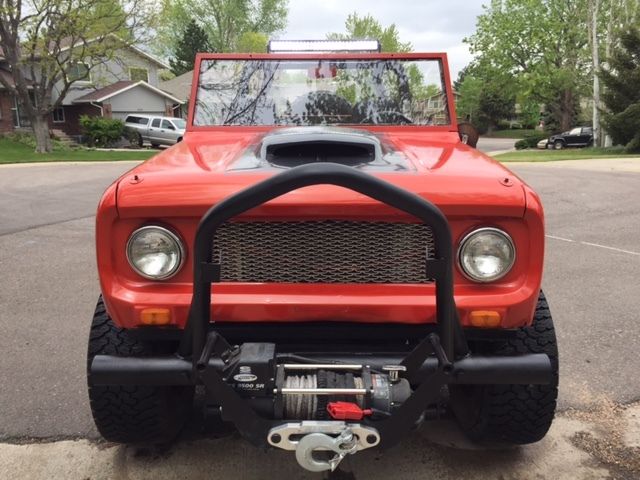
x,y
15,152
565,154
510,133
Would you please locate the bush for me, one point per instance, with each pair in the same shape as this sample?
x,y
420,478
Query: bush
x,y
101,132
531,140
624,128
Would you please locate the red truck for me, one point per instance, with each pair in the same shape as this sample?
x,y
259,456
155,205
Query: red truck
x,y
326,259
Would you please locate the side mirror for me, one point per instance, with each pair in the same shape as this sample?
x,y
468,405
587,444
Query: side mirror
x,y
468,134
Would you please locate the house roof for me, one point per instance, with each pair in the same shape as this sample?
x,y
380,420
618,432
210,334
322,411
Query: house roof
x,y
102,94
7,77
66,43
179,86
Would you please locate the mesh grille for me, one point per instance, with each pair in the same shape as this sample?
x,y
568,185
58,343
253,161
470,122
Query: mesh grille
x,y
327,251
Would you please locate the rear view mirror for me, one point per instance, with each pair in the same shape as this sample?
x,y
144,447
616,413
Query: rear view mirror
x,y
324,71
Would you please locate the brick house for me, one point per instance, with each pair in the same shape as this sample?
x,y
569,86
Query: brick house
x,y
126,84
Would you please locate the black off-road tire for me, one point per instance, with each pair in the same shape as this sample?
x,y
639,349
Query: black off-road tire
x,y
132,414
558,145
513,414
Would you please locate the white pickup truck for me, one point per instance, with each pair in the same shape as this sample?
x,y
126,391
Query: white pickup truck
x,y
156,130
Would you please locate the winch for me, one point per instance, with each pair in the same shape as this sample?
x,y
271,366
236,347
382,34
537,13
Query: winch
x,y
313,391
323,400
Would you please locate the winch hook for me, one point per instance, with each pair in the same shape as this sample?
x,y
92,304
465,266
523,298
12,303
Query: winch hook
x,y
342,445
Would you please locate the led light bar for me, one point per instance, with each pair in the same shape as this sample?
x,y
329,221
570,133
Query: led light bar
x,y
300,46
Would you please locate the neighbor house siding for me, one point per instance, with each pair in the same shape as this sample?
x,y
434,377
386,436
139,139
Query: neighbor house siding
x,y
112,71
138,99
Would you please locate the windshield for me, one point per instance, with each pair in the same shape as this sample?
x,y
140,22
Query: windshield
x,y
179,123
321,92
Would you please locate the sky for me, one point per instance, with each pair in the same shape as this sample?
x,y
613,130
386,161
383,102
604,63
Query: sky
x,y
430,25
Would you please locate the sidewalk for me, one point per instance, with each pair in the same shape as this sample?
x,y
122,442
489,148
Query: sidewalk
x,y
592,164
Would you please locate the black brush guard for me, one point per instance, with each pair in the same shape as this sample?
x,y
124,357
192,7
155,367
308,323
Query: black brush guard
x,y
438,360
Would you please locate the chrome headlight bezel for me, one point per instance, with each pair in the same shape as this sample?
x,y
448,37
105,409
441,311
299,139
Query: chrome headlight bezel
x,y
172,236
473,234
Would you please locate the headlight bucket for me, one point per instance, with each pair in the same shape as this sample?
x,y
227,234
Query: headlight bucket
x,y
486,254
155,252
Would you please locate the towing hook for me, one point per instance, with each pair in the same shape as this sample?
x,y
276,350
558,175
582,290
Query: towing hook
x,y
342,445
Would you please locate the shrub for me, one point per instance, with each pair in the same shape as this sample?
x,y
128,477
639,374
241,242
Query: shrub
x,y
101,132
531,140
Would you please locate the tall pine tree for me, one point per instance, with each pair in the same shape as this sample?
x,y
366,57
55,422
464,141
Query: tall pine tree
x,y
194,39
622,95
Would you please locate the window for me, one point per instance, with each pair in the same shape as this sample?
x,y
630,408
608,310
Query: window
x,y
575,131
167,124
138,120
58,115
156,123
79,72
320,92
136,74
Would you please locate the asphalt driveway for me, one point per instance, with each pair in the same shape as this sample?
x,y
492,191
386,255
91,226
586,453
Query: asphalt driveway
x,y
48,289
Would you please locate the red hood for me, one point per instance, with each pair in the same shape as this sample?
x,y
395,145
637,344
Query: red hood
x,y
195,174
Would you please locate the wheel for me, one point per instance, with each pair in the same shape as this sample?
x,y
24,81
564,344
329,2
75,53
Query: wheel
x,y
179,140
516,414
155,145
558,145
132,414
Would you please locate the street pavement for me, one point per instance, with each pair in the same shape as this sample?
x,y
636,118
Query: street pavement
x,y
48,290
486,144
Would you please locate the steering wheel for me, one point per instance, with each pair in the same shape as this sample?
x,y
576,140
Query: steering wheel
x,y
391,116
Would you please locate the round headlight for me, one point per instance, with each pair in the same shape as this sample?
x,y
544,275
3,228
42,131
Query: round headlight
x,y
155,252
486,254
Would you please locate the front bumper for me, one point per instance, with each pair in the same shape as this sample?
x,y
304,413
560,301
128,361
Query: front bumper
x,y
442,358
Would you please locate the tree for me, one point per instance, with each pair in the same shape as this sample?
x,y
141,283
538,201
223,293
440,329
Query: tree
x,y
607,21
367,27
541,44
469,91
252,42
194,39
622,95
44,40
486,96
227,23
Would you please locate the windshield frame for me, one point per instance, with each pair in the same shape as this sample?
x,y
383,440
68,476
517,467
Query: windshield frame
x,y
452,126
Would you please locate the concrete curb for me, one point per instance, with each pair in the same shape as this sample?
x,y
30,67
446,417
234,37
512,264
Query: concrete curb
x,y
77,162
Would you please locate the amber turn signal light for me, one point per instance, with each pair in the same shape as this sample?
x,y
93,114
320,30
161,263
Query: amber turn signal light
x,y
155,316
484,318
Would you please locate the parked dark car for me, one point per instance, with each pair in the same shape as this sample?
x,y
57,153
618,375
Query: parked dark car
x,y
576,137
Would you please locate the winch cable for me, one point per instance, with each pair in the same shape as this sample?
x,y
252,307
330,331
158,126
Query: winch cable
x,y
300,406
314,407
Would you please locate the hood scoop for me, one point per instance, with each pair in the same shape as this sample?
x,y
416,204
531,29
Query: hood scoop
x,y
291,148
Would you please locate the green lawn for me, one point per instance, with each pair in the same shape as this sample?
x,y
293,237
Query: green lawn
x,y
14,152
565,154
510,133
